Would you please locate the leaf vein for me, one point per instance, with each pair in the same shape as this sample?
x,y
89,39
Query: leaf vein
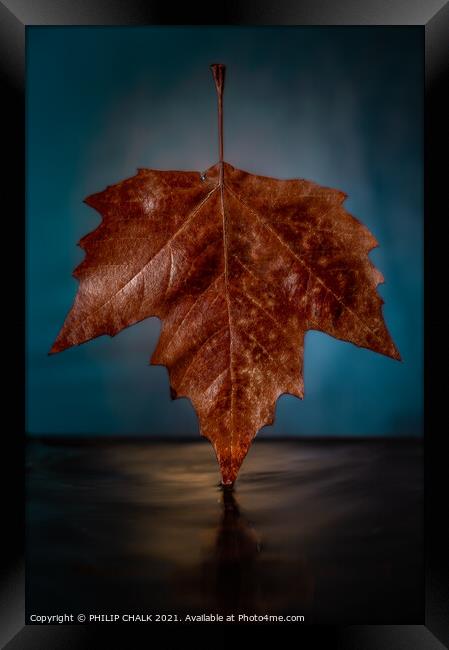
x,y
198,350
301,261
153,257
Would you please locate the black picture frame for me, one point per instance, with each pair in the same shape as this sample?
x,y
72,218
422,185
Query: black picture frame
x,y
15,16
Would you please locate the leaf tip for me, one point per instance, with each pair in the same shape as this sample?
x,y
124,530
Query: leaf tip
x,y
229,462
59,345
396,355
228,476
55,348
392,351
342,196
91,200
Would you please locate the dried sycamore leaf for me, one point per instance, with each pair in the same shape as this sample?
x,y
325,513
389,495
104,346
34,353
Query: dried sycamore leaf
x,y
237,267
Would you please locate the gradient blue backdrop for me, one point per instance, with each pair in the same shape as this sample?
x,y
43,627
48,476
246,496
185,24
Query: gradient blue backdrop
x,y
340,106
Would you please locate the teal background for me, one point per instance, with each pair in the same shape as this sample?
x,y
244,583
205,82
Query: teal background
x,y
340,106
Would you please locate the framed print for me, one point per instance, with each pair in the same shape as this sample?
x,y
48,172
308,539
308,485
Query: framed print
x,y
256,201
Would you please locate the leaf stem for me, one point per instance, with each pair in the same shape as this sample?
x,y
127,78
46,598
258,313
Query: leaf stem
x,y
218,72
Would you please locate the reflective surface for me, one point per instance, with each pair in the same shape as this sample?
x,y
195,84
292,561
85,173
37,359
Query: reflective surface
x,y
328,530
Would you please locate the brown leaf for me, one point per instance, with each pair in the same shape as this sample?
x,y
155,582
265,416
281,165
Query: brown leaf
x,y
238,267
